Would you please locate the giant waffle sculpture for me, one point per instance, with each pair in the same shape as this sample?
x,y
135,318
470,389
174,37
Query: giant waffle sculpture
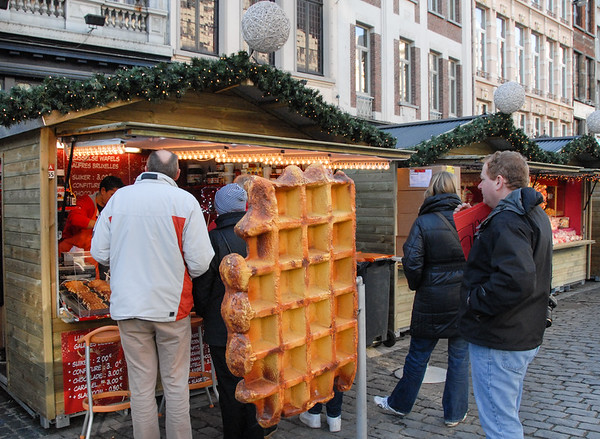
x,y
290,307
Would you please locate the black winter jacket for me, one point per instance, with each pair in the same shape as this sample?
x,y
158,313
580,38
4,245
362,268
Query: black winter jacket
x,y
433,263
508,276
209,289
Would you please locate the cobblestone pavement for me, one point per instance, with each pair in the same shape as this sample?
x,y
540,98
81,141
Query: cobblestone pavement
x,y
561,395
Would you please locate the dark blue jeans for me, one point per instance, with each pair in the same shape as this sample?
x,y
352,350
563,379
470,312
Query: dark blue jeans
x,y
333,407
456,391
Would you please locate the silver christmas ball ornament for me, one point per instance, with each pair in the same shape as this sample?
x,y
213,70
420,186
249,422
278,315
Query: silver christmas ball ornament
x,y
265,27
509,97
593,122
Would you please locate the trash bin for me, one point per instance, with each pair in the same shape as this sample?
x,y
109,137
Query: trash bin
x,y
376,272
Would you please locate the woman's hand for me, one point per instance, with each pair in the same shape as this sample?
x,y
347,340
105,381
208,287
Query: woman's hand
x,y
461,207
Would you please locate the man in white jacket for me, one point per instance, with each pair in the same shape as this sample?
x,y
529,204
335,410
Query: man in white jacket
x,y
154,237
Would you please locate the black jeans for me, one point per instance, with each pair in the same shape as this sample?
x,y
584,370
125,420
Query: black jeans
x,y
239,419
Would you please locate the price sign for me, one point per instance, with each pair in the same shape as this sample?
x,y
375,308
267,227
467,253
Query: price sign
x,y
107,364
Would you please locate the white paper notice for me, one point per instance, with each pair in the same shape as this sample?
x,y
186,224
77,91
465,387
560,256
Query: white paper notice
x,y
419,177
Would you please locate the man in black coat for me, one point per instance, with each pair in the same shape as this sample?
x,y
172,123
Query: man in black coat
x,y
504,295
239,419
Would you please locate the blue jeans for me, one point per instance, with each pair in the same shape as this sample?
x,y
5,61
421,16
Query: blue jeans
x,y
333,407
456,390
498,385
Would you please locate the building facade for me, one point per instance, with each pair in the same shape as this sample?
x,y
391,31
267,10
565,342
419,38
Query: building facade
x,y
531,43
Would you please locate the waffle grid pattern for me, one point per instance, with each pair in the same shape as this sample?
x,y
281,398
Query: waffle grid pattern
x,y
291,305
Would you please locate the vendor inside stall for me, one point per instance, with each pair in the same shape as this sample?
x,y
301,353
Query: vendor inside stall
x,y
81,220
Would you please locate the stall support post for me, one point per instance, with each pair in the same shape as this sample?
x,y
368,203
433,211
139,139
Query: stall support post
x,y
361,367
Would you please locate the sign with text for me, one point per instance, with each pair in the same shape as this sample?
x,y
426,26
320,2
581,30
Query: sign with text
x,y
87,172
107,365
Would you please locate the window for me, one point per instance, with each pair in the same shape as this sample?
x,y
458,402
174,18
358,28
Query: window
x,y
405,79
520,54
564,10
578,15
579,126
435,6
263,58
536,4
453,83
578,76
591,73
309,36
537,127
535,61
454,10
564,130
434,86
501,38
550,7
480,40
551,128
563,72
522,122
363,64
198,26
551,57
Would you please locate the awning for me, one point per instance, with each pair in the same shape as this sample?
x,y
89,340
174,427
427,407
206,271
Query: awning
x,y
408,135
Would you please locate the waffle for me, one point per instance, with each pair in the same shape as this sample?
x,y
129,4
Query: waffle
x,y
101,287
290,306
87,296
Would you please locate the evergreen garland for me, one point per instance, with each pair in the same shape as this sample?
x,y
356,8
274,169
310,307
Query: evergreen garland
x,y
500,125
173,80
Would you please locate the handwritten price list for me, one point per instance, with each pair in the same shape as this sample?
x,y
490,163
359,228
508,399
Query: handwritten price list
x,y
107,366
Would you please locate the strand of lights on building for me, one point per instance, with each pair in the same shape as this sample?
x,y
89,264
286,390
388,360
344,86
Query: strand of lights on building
x,y
277,159
99,150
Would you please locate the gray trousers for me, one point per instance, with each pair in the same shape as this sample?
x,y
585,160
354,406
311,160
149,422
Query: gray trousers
x,y
150,347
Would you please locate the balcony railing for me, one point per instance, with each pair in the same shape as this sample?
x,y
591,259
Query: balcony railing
x,y
364,106
434,115
50,8
127,17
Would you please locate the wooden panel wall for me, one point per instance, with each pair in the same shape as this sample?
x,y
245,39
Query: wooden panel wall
x,y
27,364
375,209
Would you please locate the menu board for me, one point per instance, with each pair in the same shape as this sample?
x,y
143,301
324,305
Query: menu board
x,y
107,363
108,366
88,171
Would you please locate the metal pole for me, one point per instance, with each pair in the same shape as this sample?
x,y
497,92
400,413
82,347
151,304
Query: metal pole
x,y
361,367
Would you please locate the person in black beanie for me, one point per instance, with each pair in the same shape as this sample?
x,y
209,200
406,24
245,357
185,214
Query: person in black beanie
x,y
239,419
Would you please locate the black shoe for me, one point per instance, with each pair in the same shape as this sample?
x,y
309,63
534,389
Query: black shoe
x,y
270,431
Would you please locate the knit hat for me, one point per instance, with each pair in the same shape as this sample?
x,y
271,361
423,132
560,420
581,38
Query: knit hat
x,y
230,198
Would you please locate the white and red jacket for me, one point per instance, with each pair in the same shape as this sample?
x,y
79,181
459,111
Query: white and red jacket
x,y
154,237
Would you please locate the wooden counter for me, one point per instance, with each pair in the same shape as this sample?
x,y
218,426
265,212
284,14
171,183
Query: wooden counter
x,y
570,263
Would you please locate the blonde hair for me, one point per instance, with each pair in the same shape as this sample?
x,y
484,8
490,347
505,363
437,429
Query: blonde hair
x,y
442,182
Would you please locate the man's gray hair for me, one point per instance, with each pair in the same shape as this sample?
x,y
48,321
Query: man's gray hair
x,y
163,161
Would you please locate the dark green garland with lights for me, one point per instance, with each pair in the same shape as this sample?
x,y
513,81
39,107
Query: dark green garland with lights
x,y
500,125
174,80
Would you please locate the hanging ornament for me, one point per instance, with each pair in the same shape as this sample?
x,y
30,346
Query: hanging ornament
x,y
265,27
593,122
509,97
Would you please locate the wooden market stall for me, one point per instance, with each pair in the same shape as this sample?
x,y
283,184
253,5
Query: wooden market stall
x,y
212,113
459,146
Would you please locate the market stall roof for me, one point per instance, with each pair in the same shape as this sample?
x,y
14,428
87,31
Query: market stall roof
x,y
230,101
554,144
410,134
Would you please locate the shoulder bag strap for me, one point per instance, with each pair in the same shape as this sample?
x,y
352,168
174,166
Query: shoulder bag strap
x,y
225,240
449,224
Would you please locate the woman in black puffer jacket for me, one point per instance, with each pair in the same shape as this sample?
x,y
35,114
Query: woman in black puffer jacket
x,y
433,263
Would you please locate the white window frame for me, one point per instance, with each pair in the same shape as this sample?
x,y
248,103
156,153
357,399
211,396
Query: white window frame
x,y
453,87
435,6
520,76
537,127
501,45
454,11
551,128
480,39
434,82
564,72
551,65
536,60
404,71
363,70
